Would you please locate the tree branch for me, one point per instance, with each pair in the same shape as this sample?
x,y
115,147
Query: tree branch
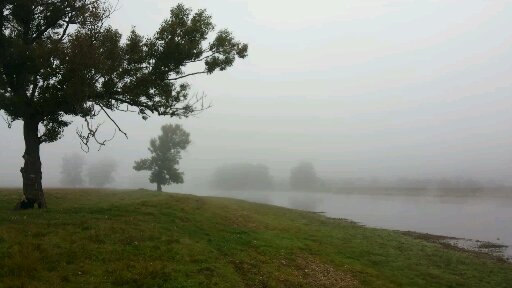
x,y
113,121
35,85
43,31
69,10
198,101
187,75
8,121
139,104
65,30
91,134
200,59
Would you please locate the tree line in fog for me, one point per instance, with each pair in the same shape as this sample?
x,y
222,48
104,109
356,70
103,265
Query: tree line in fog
x,y
75,172
303,177
247,176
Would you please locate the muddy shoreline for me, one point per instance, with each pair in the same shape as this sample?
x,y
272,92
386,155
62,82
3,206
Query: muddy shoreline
x,y
476,247
479,248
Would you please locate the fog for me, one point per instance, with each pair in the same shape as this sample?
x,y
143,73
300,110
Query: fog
x,y
382,90
102,173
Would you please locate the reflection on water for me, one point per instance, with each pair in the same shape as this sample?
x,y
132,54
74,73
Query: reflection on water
x,y
485,218
305,202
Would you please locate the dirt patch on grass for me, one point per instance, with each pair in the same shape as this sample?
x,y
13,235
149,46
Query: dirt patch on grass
x,y
300,271
317,274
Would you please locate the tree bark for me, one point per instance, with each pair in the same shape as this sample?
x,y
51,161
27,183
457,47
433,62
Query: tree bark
x,y
158,187
31,171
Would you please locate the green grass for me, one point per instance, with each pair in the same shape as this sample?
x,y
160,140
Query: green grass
x,y
91,238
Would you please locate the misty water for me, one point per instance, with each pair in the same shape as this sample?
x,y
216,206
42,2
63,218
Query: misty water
x,y
485,218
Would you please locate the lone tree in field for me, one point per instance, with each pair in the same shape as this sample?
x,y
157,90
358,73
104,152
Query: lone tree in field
x,y
71,170
165,156
60,60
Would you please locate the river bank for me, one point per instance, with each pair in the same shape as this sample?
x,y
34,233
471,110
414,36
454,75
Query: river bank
x,y
121,238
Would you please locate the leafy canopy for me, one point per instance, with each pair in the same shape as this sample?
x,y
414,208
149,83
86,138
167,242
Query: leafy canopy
x,y
60,57
165,155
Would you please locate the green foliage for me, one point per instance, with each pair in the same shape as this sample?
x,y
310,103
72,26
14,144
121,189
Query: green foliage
x,y
58,58
99,238
165,155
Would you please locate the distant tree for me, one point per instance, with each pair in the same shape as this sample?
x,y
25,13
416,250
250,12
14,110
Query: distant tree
x,y
242,176
71,170
303,177
101,173
60,59
165,156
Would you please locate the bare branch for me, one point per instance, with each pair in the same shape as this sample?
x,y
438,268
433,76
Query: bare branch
x,y
91,134
8,121
113,121
198,101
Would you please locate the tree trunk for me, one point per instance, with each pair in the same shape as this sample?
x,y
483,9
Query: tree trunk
x,y
31,171
158,187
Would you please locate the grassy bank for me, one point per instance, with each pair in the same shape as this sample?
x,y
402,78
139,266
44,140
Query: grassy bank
x,y
91,238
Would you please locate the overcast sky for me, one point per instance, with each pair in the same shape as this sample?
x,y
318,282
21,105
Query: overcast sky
x,y
361,88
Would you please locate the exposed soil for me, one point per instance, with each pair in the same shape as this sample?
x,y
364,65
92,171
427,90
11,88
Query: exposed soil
x,y
318,274
476,247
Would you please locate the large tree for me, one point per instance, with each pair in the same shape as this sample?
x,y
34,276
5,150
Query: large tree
x,y
60,60
165,156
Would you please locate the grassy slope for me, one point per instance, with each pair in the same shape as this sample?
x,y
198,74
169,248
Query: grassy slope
x,y
146,239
